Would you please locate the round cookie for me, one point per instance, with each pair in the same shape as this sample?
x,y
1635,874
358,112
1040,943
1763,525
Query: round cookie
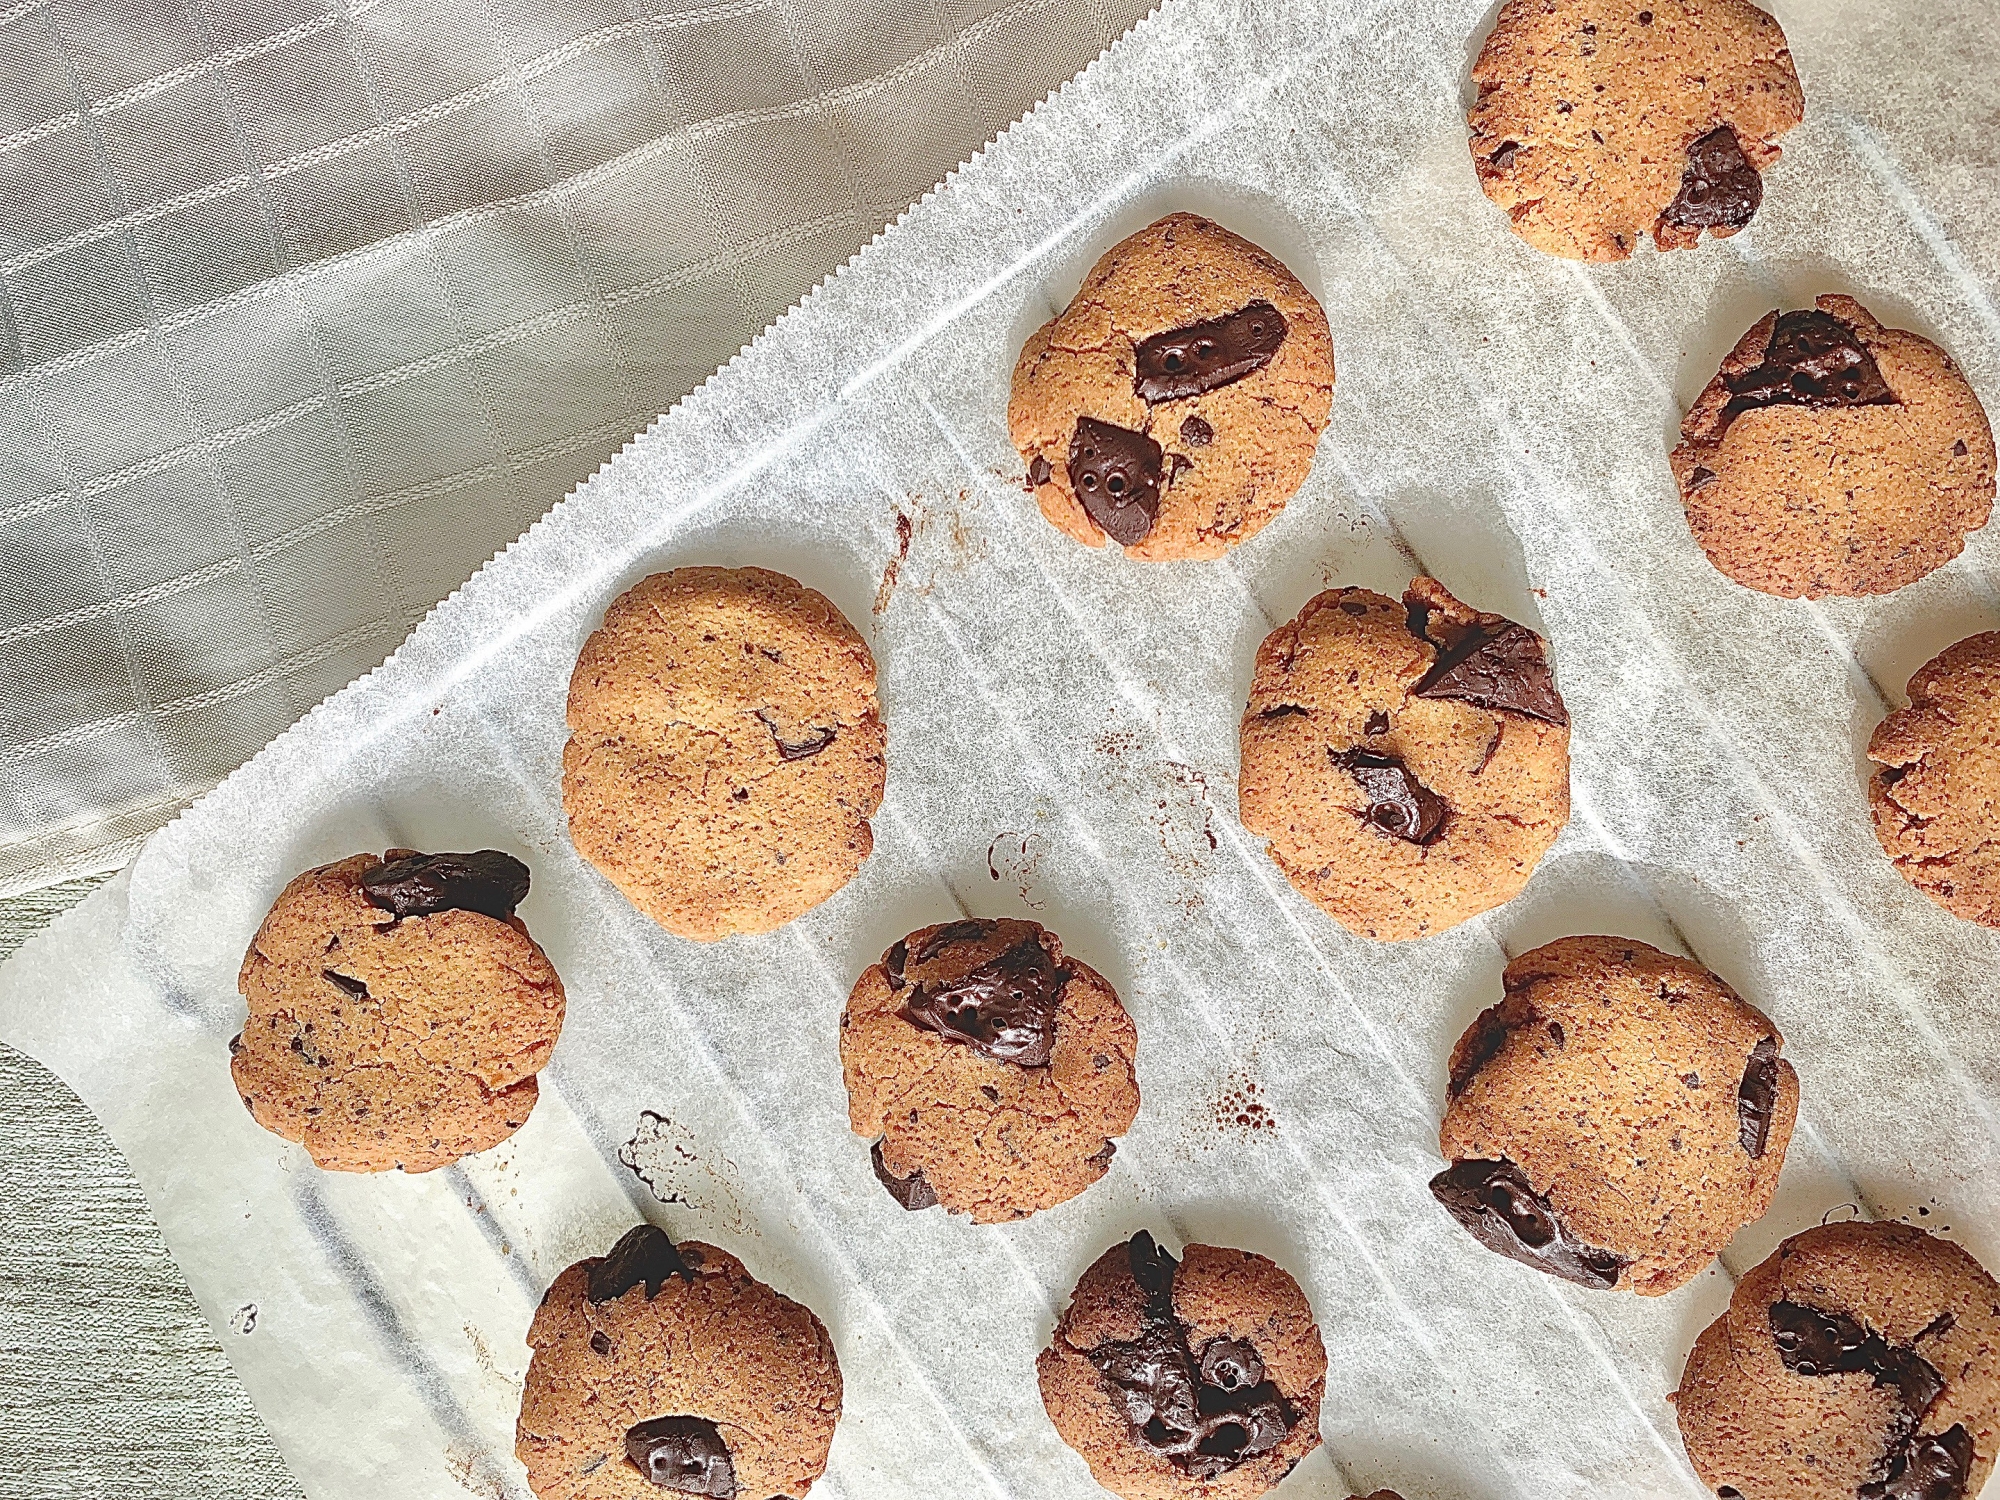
x,y
990,1071
1409,763
668,1367
1831,455
1602,120
1174,405
725,750
1193,1378
1617,1118
1933,800
399,1011
1860,1359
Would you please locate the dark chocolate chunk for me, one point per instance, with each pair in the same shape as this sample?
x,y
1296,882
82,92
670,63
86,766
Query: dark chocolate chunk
x,y
1756,1096
1495,1203
1813,359
683,1454
422,885
1811,1342
1925,1466
1005,1008
1378,723
816,739
1282,709
1719,187
1205,1415
1505,668
1202,356
1503,157
1487,1038
600,1344
1039,472
913,1192
1197,433
1103,1154
1700,478
346,982
1398,803
1116,475
644,1256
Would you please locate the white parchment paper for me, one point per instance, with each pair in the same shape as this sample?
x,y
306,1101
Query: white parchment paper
x,y
1063,745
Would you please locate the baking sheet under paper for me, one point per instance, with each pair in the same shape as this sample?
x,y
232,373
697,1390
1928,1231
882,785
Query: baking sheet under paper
x,y
1062,745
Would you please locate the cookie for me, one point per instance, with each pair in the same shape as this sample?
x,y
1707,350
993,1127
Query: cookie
x,y
1602,120
725,750
1831,455
399,1011
669,1367
1934,797
1617,1118
1174,405
1200,1377
1860,1359
990,1071
1409,763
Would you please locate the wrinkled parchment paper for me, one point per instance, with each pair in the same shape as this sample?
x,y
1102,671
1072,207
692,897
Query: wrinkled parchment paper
x,y
1063,746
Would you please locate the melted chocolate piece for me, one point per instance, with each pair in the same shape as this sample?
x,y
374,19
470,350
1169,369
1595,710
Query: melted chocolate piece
x,y
682,1454
1398,803
818,737
1813,359
1756,1096
1116,475
1493,1200
1488,1037
1206,1414
346,982
421,885
1197,433
644,1256
1004,1009
1719,188
1926,1467
913,1192
1503,155
1811,1342
1282,709
1505,668
1202,356
1039,472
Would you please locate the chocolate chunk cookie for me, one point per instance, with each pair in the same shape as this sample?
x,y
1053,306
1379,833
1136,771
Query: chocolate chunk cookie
x,y
725,750
1409,762
1199,1377
1617,1118
1860,1359
1831,455
668,1367
991,1071
1174,405
1933,799
1602,120
399,1011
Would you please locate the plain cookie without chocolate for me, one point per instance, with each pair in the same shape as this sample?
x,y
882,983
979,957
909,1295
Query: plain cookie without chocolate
x,y
725,750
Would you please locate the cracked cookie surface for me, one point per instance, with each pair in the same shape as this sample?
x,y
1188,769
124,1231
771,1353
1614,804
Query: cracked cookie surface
x,y
1174,405
674,1357
1645,1105
1936,798
991,1070
1196,1379
1832,455
725,750
1860,1359
1599,121
1407,762
379,1041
